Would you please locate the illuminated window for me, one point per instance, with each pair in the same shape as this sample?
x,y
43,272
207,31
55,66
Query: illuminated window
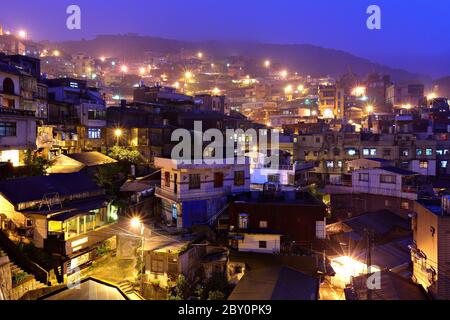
x,y
364,177
330,164
243,221
386,178
94,133
239,178
263,224
423,164
444,164
429,152
419,152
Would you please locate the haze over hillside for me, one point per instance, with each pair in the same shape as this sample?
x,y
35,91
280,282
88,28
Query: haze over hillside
x,y
306,59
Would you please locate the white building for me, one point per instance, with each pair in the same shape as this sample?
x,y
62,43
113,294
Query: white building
x,y
17,126
196,194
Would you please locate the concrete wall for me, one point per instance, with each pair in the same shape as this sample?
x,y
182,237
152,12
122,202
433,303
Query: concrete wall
x,y
251,243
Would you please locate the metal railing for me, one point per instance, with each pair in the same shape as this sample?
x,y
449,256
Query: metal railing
x,y
191,194
17,112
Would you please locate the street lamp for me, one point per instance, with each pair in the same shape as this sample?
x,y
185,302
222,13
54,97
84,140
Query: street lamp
x,y
267,63
22,34
369,109
118,133
136,223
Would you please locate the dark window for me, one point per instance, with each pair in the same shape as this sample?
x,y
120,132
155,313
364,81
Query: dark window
x,y
7,129
263,244
157,265
194,181
96,115
167,179
218,180
239,178
8,86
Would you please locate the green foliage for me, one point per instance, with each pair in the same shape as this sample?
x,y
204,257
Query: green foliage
x,y
218,283
182,290
19,277
36,165
216,295
125,155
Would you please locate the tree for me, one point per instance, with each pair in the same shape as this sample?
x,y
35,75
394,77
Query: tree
x,y
182,289
36,165
125,155
216,295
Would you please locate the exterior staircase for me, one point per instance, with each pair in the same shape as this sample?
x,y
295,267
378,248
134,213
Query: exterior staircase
x,y
22,281
126,286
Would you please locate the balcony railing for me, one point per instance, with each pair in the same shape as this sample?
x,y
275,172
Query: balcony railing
x,y
17,112
191,194
346,189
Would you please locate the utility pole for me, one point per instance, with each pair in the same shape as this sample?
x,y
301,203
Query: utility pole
x,y
369,235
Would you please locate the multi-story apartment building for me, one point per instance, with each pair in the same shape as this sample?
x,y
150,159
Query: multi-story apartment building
x,y
430,251
405,95
331,101
373,185
76,107
426,154
196,193
17,125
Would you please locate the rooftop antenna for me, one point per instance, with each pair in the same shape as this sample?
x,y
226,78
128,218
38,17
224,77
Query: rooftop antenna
x,y
50,199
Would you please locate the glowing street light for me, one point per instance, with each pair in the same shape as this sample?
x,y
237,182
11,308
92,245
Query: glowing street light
x,y
124,69
56,53
267,63
431,96
289,89
216,91
200,55
369,109
301,88
22,34
118,133
188,75
142,71
284,74
406,106
102,59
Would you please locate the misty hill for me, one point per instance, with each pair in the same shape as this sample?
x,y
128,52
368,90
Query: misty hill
x,y
306,59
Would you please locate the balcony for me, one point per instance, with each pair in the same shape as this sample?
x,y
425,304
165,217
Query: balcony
x,y
347,188
191,194
16,112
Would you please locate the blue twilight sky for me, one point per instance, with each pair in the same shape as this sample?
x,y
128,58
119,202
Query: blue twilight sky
x,y
415,33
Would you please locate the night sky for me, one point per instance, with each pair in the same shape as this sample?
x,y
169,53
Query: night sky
x,y
415,34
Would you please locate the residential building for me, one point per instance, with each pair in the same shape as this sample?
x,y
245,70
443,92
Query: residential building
x,y
405,95
272,221
17,125
196,193
374,189
429,253
64,214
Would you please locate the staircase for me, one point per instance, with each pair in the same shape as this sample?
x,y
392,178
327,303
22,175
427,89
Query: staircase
x,y
126,287
22,281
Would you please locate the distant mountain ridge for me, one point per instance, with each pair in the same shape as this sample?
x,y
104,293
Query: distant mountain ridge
x,y
307,59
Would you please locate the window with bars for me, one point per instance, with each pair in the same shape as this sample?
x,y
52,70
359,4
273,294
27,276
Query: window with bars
x,y
194,181
239,178
8,129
